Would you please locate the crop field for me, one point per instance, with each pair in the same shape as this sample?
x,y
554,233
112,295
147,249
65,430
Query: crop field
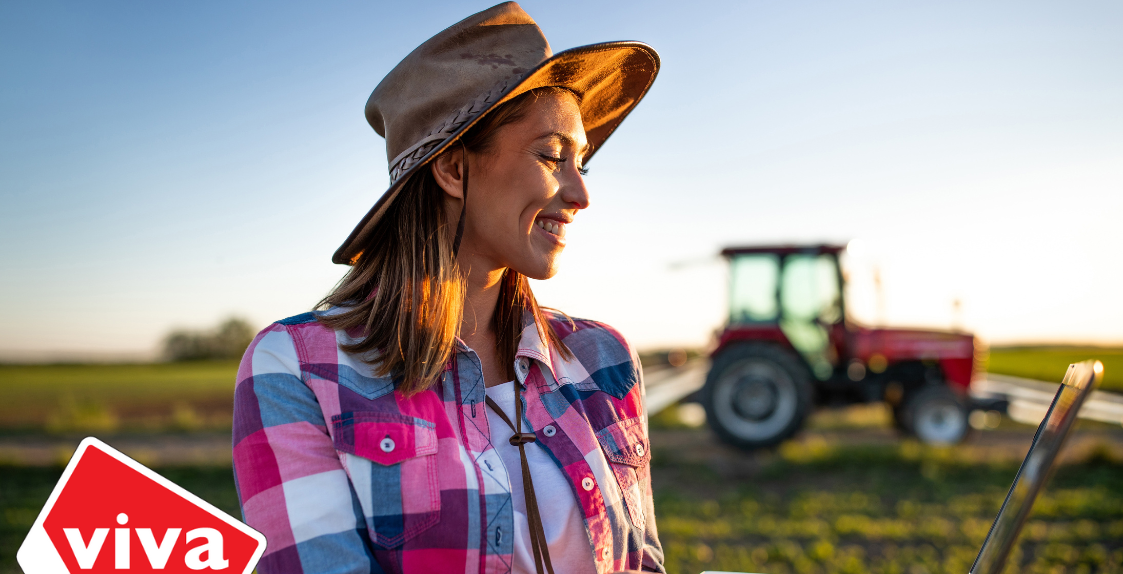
x,y
199,395
1050,363
812,506
107,398
847,496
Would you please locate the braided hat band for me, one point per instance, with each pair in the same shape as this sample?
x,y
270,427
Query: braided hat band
x,y
417,152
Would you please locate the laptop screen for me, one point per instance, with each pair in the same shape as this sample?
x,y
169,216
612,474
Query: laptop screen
x,y
1035,469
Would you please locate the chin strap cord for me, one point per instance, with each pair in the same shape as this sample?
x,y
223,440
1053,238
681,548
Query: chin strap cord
x,y
464,206
534,518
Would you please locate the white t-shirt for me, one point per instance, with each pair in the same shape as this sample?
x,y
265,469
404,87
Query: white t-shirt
x,y
562,519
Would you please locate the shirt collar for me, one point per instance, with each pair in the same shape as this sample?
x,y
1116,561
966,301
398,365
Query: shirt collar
x,y
532,345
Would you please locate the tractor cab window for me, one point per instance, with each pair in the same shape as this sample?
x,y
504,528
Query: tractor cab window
x,y
810,301
809,289
753,287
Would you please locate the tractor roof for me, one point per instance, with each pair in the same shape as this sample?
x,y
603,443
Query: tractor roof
x,y
789,249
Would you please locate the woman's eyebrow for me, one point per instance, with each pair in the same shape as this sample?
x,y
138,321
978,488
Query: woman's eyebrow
x,y
566,139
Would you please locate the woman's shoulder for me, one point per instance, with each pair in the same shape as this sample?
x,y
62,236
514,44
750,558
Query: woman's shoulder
x,y
603,351
301,319
309,322
296,335
601,334
303,346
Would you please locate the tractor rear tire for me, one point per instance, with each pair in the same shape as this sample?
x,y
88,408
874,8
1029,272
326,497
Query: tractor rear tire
x,y
756,395
935,415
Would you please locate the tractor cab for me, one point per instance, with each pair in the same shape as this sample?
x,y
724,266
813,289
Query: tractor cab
x,y
791,295
788,347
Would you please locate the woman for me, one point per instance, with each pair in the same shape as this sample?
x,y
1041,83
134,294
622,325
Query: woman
x,y
431,417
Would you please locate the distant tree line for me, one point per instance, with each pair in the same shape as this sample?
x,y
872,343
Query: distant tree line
x,y
227,341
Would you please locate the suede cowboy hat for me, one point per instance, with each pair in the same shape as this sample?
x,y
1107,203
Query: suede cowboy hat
x,y
446,85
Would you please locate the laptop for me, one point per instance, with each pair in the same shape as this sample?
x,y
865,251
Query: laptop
x,y
1078,383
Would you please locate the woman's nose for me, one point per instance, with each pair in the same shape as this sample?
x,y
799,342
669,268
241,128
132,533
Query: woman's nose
x,y
573,190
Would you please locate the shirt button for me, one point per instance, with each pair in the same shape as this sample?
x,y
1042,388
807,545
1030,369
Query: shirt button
x,y
587,483
387,444
605,553
639,449
549,430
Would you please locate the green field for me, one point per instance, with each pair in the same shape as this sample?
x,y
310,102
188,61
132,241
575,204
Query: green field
x,y
1049,363
106,398
810,508
880,509
199,395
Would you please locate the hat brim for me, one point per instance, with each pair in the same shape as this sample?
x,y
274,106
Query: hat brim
x,y
610,78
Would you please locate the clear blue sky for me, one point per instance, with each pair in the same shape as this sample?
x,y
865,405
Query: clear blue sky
x,y
168,164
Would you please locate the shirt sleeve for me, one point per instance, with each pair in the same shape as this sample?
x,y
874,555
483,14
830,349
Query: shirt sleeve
x,y
291,484
652,548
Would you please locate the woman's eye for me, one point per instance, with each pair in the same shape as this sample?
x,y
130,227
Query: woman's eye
x,y
552,159
560,160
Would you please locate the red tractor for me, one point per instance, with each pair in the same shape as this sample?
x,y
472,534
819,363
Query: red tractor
x,y
788,347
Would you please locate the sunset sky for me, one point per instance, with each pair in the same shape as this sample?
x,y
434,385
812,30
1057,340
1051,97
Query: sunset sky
x,y
170,164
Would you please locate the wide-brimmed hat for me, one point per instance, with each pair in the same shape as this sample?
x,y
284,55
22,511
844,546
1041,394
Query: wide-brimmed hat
x,y
441,89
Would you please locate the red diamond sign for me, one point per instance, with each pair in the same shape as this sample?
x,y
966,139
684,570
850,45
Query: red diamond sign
x,y
109,513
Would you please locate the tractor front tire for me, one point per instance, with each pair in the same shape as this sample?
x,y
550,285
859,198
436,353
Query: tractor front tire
x,y
935,415
756,395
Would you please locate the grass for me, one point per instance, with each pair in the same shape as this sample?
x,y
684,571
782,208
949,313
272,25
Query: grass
x,y
809,508
106,398
906,509
1049,363
199,395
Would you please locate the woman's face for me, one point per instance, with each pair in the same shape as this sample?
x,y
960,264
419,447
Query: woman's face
x,y
524,191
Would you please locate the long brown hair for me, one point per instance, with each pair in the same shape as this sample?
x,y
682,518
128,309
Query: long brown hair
x,y
404,296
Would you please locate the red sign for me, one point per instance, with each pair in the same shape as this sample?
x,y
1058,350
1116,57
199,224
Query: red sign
x,y
109,513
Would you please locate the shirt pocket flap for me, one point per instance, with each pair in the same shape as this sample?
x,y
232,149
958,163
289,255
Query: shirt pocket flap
x,y
385,438
625,442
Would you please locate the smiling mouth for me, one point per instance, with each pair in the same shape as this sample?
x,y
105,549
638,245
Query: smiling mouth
x,y
551,226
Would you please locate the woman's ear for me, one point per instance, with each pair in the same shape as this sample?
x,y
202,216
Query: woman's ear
x,y
448,170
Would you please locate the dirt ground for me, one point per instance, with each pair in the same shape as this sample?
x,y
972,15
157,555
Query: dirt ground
x,y
692,446
699,446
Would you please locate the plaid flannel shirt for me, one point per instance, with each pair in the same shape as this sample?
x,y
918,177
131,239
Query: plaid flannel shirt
x,y
341,473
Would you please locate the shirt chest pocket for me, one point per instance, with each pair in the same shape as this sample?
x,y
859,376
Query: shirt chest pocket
x,y
628,451
392,461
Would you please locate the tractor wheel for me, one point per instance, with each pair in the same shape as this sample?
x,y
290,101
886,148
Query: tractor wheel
x,y
756,395
935,415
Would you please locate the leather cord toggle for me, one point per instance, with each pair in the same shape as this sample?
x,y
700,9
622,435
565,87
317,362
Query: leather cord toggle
x,y
542,564
522,438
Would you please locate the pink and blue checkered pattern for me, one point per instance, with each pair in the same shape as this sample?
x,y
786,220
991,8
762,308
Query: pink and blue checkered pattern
x,y
343,474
